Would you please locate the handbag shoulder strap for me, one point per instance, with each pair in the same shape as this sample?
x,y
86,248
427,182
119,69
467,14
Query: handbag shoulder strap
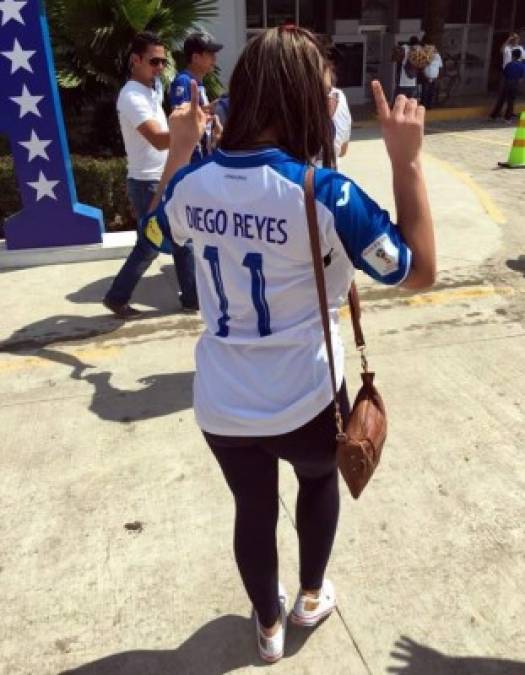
x,y
353,296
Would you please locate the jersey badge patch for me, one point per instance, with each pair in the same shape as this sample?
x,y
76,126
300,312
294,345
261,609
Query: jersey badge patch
x,y
382,256
153,232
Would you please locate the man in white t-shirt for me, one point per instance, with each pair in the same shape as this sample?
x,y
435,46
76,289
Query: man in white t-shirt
x,y
144,129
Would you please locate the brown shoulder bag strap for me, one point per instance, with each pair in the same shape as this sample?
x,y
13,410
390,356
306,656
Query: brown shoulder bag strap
x,y
353,296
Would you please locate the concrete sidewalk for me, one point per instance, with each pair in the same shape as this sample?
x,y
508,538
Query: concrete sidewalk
x,y
116,531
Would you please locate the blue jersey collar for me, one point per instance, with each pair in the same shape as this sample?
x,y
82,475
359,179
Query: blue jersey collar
x,y
250,158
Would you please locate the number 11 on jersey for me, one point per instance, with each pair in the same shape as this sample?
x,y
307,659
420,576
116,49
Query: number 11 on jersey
x,y
254,262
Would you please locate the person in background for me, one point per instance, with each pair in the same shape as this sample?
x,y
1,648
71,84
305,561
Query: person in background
x,y
431,74
341,116
220,107
512,74
262,389
200,54
510,44
407,76
144,129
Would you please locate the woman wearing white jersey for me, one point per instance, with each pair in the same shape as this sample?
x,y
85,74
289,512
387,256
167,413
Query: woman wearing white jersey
x,y
262,387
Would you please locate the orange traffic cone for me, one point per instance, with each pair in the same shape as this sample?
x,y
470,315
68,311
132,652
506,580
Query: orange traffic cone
x,y
517,151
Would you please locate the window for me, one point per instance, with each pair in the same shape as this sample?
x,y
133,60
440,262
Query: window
x,y
411,9
255,13
504,11
457,12
268,13
347,9
376,12
481,11
279,12
349,64
312,15
519,23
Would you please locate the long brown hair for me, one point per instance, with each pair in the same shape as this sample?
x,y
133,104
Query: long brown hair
x,y
278,84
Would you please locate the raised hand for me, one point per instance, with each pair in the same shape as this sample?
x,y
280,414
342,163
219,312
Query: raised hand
x,y
402,126
187,122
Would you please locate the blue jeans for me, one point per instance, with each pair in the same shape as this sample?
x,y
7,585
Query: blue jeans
x,y
141,193
429,93
409,92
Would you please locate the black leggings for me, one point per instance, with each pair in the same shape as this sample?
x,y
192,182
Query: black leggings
x,y
250,467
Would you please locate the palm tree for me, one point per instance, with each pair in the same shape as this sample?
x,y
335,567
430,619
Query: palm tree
x,y
90,43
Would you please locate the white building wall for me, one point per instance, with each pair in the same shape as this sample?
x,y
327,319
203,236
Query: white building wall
x,y
229,28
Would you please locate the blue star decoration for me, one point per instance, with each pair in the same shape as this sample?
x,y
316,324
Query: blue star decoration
x,y
31,116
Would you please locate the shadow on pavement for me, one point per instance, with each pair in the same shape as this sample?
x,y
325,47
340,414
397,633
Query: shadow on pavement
x,y
416,659
517,265
163,393
159,291
220,646
38,337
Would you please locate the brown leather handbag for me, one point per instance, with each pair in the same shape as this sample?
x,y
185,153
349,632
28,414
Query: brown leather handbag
x,y
359,445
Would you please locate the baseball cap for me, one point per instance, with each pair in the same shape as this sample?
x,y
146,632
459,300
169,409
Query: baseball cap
x,y
196,43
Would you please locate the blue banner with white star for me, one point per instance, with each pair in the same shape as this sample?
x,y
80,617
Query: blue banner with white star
x,y
31,117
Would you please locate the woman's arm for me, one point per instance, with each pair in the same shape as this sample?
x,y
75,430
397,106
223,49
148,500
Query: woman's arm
x,y
403,135
186,123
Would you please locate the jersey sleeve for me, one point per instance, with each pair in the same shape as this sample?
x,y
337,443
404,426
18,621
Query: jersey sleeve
x,y
156,230
371,240
163,227
135,108
180,90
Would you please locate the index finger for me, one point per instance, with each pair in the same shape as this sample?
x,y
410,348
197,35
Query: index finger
x,y
194,97
383,110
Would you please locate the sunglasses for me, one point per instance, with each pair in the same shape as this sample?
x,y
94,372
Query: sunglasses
x,y
157,61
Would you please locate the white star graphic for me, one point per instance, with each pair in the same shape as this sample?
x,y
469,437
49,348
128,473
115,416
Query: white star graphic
x,y
36,147
43,187
27,103
19,58
11,10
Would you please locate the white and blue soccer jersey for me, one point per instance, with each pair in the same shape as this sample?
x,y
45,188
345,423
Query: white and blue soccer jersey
x,y
180,92
262,366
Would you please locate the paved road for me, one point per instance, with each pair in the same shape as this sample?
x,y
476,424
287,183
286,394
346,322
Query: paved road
x,y
116,525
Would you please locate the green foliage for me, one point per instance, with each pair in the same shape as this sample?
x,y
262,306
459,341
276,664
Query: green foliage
x,y
9,196
90,44
100,182
91,37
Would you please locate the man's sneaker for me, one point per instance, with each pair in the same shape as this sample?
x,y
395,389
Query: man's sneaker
x,y
271,648
309,611
124,311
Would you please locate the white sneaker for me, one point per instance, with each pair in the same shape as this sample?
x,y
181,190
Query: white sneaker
x,y
271,649
308,611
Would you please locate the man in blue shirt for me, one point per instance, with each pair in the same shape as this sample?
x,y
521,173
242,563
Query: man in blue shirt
x,y
200,50
512,74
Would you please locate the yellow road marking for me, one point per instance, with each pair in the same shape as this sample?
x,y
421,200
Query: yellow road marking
x,y
449,295
86,354
472,139
454,294
485,199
